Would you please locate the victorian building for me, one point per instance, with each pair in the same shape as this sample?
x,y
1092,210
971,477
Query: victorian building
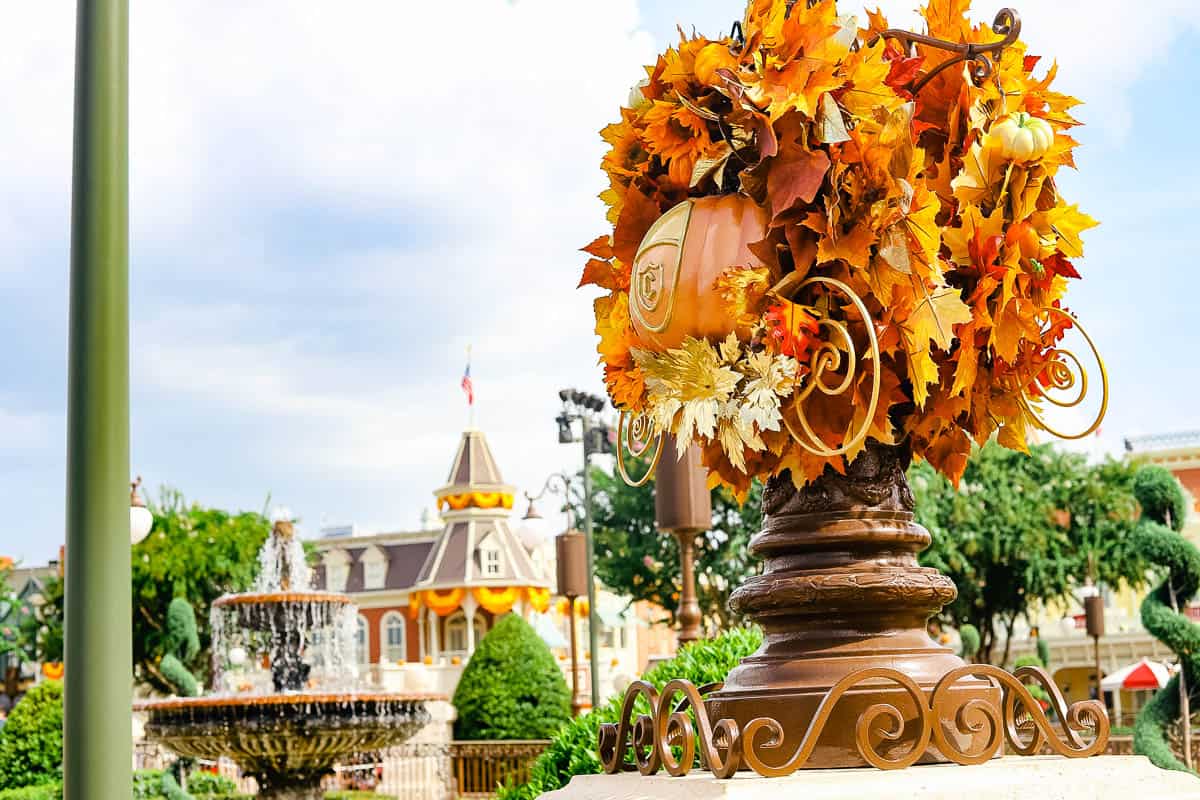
x,y
427,597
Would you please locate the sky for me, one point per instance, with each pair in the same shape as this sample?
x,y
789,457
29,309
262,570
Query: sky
x,y
331,201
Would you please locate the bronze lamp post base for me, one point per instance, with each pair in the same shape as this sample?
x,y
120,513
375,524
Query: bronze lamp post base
x,y
847,675
841,591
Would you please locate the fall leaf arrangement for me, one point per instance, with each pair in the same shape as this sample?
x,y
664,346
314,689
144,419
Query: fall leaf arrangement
x,y
826,233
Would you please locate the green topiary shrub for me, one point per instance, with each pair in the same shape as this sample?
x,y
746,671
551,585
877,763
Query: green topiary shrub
x,y
31,740
47,791
968,634
1043,651
512,688
182,643
1157,538
1037,691
573,749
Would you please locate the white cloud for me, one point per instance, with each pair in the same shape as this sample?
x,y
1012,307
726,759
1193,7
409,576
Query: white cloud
x,y
255,126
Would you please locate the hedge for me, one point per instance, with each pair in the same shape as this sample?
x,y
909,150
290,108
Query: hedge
x,y
31,742
512,688
47,791
573,749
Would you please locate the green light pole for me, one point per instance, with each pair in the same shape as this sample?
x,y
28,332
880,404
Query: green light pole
x,y
585,408
98,748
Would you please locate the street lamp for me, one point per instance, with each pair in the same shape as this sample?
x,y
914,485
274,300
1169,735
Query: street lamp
x,y
534,529
1093,607
597,438
140,518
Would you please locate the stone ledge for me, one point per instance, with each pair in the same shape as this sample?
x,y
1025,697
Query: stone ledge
x,y
1009,778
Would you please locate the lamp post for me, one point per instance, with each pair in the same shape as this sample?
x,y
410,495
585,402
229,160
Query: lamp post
x,y
1093,607
534,529
683,508
571,556
140,518
97,748
595,436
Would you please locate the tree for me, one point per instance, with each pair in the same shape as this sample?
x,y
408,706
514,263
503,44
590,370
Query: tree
x,y
1026,529
636,559
193,553
30,627
11,617
41,631
512,688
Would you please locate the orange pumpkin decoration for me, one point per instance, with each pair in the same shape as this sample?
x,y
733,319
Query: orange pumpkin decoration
x,y
671,293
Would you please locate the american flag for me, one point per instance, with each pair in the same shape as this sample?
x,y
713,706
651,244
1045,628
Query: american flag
x,y
468,387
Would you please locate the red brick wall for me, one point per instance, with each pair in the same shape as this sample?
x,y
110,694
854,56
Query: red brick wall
x,y
374,617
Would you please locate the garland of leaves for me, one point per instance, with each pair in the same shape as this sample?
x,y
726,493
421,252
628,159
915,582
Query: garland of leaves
x,y
938,207
1157,536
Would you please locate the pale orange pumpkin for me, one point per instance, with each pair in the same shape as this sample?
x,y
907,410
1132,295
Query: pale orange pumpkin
x,y
671,294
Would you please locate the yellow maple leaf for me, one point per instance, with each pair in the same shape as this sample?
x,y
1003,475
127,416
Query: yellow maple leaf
x,y
934,316
865,71
854,247
981,176
1068,222
921,223
922,372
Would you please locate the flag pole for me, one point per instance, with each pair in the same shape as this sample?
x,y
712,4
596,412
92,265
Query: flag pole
x,y
471,394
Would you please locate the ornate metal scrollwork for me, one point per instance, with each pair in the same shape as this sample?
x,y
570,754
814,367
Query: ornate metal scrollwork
x,y
754,746
1020,713
1006,24
1064,373
653,737
670,738
636,433
827,359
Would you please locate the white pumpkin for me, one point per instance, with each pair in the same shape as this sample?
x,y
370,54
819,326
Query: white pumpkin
x,y
1021,137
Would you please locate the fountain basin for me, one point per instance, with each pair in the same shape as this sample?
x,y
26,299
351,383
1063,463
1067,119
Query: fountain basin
x,y
268,611
287,741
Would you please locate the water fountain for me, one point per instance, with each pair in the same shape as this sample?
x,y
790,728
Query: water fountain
x,y
286,701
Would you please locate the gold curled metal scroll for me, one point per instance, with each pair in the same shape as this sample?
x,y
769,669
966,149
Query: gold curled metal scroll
x,y
827,356
635,432
1063,371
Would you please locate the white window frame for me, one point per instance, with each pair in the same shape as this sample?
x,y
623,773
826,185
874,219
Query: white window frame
x,y
455,623
491,560
390,652
374,569
337,570
362,640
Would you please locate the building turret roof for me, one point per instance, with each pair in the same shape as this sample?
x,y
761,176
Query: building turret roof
x,y
477,547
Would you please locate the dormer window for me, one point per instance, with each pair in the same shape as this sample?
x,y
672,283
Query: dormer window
x,y
337,570
489,558
374,568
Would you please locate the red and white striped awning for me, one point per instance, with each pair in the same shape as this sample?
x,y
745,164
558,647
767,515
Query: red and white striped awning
x,y
1144,674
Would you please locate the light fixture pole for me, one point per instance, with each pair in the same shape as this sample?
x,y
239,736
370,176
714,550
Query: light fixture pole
x,y
97,749
683,508
585,408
